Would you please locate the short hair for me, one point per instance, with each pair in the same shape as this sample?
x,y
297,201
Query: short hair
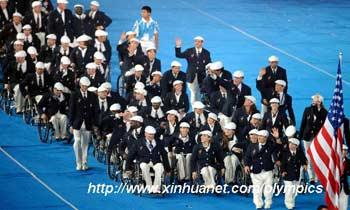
x,y
147,8
320,207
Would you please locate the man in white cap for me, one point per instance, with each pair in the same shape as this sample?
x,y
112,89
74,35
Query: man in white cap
x,y
254,123
123,47
286,104
170,76
5,13
198,118
344,181
101,65
65,75
239,88
292,160
30,39
35,85
216,76
259,162
146,29
38,20
60,21
312,121
95,77
197,58
82,54
266,80
150,153
133,76
97,20
102,44
80,23
155,113
153,87
33,54
177,99
83,110
134,132
53,107
207,159
65,48
11,29
49,52
14,74
150,62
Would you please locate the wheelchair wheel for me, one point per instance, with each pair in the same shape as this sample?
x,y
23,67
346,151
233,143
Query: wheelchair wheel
x,y
45,131
28,112
121,85
7,102
114,165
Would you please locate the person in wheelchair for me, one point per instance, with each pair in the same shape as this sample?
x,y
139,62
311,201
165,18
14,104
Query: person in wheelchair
x,y
233,150
207,159
14,74
113,126
150,153
53,107
182,144
35,85
65,75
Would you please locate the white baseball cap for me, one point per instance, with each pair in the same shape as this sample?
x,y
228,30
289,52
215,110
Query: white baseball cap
x,y
294,141
32,50
238,74
263,133
156,99
91,66
65,39
150,129
65,60
198,105
206,132
115,107
184,125
51,36
274,100
176,63
95,3
281,82
290,131
20,54
84,81
138,67
58,86
40,65
251,98
273,58
83,38
137,118
176,82
230,126
200,38
213,116
257,116
100,32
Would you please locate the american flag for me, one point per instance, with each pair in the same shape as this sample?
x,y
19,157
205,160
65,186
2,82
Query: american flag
x,y
325,149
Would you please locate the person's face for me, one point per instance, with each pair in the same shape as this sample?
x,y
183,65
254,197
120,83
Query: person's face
x,y
262,139
65,45
61,6
344,152
145,14
27,32
198,43
205,139
279,88
64,66
102,38
178,87
156,78
17,20
18,47
82,44
248,102
79,10
210,121
292,146
139,96
37,9
255,122
317,102
151,54
229,132
253,138
93,8
51,42
91,71
184,131
102,94
33,56
149,136
199,111
217,72
3,4
39,71
20,59
171,117
138,73
175,69
83,88
134,124
133,45
98,61
273,64
237,80
274,106
57,92
156,105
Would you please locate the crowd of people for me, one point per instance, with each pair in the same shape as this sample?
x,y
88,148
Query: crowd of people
x,y
61,59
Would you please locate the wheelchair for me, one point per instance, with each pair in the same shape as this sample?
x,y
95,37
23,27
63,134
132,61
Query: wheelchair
x,y
114,164
121,85
7,102
241,178
199,181
45,131
30,111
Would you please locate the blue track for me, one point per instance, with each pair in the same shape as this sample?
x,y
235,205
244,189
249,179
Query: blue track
x,y
305,34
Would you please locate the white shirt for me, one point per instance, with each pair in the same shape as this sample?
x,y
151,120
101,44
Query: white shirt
x,y
148,144
92,14
62,15
202,117
274,117
261,145
177,96
38,78
100,68
84,94
100,46
184,139
159,112
23,67
281,97
104,103
172,128
5,13
36,16
18,27
198,51
62,51
83,51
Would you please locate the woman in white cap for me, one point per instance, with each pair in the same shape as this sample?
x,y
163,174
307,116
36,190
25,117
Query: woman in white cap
x,y
95,77
171,126
254,123
291,161
198,118
213,124
83,110
102,45
133,76
172,75
30,39
182,144
65,47
101,65
153,87
207,159
151,63
177,99
274,119
54,107
313,119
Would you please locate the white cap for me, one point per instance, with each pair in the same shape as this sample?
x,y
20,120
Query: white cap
x,y
273,58
176,82
230,126
198,105
137,118
79,5
141,91
176,63
173,112
138,67
107,85
290,131
253,132
134,40
132,109
150,130
263,133
62,2
157,73
139,85
317,97
152,47
51,36
17,14
91,66
21,36
100,32
130,33
101,89
32,50
18,42
58,86
251,98
213,116
84,81
257,116
65,60
99,55
184,125
206,132
156,99
92,89
36,3
216,65
238,74
40,65
83,38
345,147
294,141
95,3
274,100
20,54
27,26
65,39
198,38
281,82
115,107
